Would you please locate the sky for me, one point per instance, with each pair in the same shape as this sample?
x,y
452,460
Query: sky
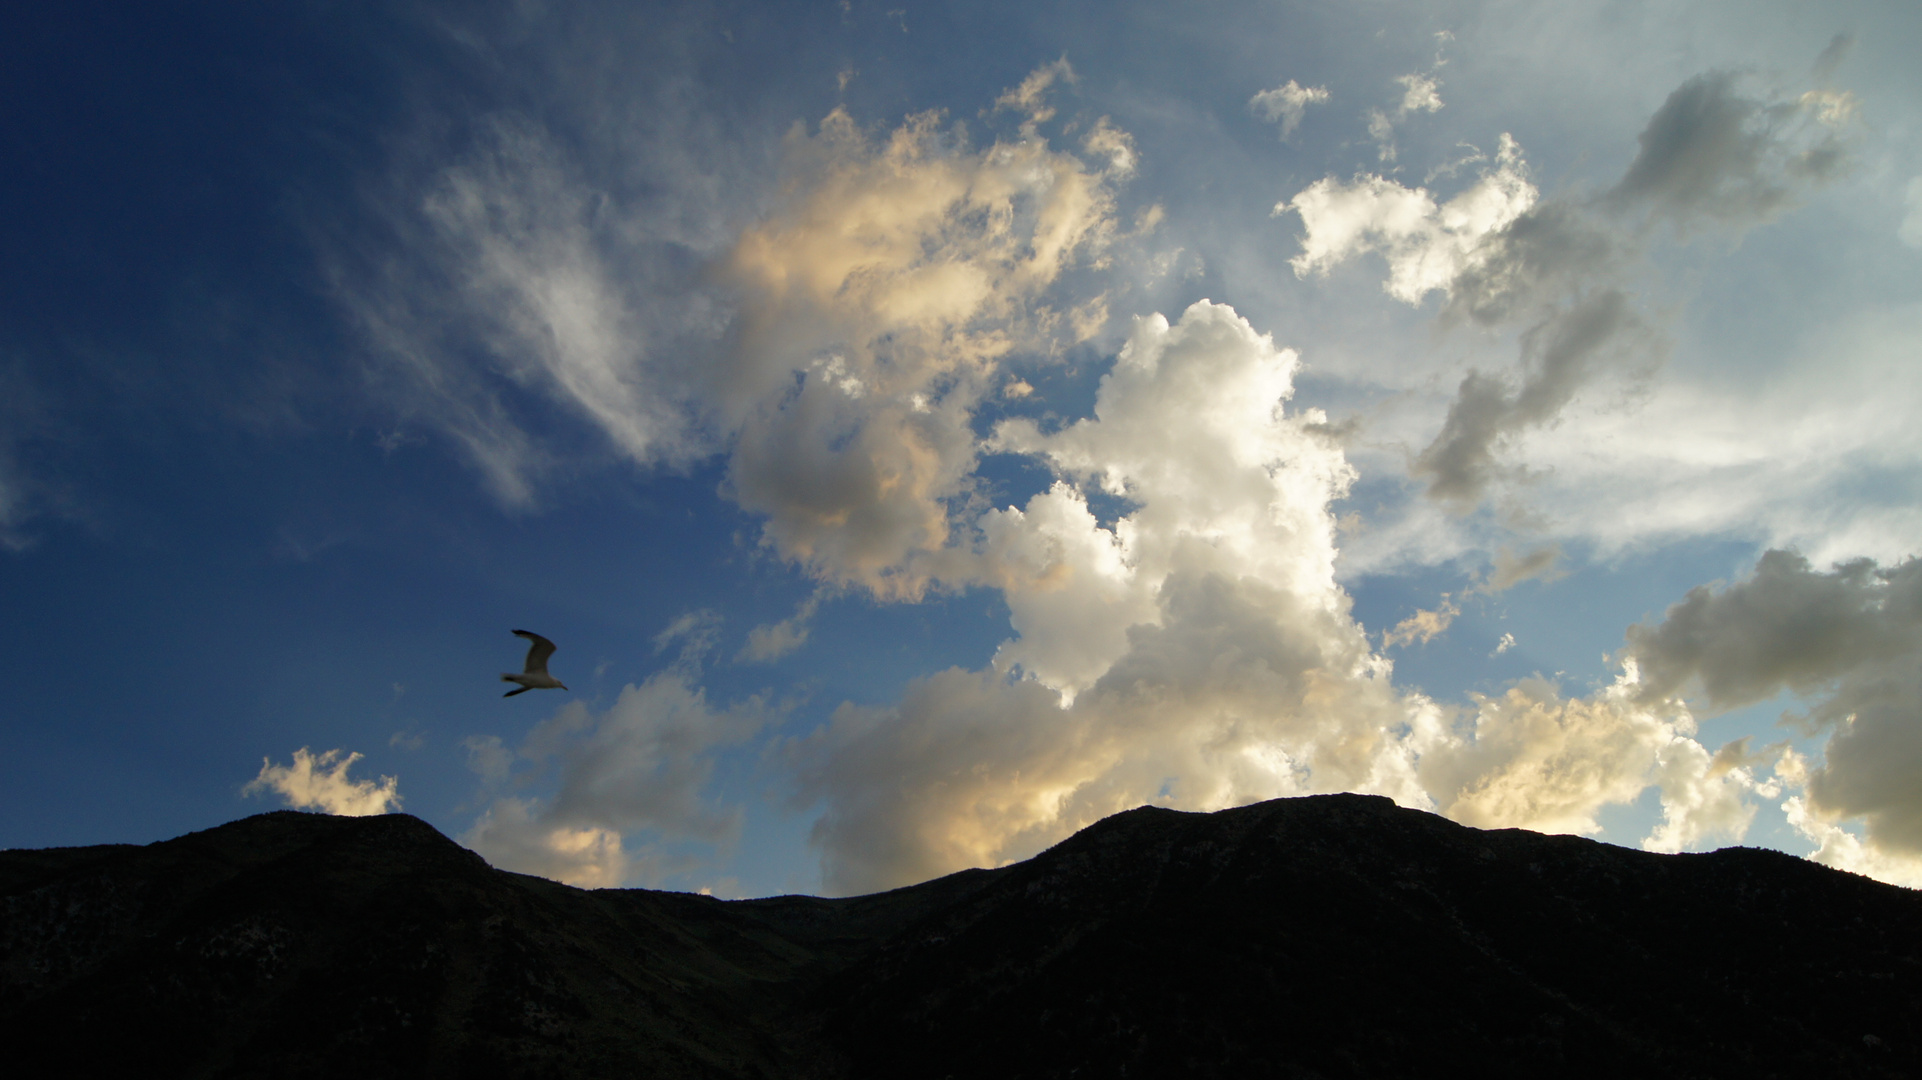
x,y
927,430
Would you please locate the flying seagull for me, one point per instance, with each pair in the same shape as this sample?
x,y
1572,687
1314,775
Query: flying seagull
x,y
536,676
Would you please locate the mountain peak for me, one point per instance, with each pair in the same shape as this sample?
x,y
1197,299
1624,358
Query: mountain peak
x,y
1334,935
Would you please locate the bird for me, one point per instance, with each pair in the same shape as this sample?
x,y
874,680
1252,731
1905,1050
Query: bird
x,y
536,676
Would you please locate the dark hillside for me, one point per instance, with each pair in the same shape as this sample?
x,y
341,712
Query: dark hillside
x,y
1342,936
294,944
1335,936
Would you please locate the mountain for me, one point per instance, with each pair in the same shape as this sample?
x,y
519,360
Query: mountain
x,y
1331,936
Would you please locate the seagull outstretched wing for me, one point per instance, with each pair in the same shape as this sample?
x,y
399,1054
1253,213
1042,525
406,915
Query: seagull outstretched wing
x,y
537,653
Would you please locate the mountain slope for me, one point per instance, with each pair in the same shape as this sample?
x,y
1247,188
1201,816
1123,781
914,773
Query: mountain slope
x,y
1326,936
1342,936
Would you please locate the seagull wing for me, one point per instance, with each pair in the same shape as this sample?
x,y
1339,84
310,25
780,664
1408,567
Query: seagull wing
x,y
537,653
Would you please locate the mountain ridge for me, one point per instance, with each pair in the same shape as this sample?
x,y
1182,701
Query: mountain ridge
x,y
1315,937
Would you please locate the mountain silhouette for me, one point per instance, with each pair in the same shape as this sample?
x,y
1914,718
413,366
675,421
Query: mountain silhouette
x,y
1329,936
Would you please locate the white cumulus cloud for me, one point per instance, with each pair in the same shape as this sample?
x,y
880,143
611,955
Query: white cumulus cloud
x,y
879,300
320,782
1427,244
1286,104
1198,653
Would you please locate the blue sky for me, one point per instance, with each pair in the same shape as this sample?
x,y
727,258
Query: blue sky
x,y
927,430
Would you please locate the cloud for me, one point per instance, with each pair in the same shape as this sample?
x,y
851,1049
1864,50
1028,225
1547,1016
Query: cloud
x,y
1428,245
1188,426
1704,798
1874,749
1838,847
488,758
1712,153
1532,758
1506,643
1421,92
320,782
878,300
1188,645
697,632
1496,252
1849,640
1031,97
1499,255
1109,143
775,640
515,270
1831,57
527,243
16,498
1786,627
1422,627
1382,130
1819,455
1558,267
530,269
1560,355
1511,569
1286,104
515,834
26,426
628,785
1535,264
1835,845
967,770
1197,653
1910,231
